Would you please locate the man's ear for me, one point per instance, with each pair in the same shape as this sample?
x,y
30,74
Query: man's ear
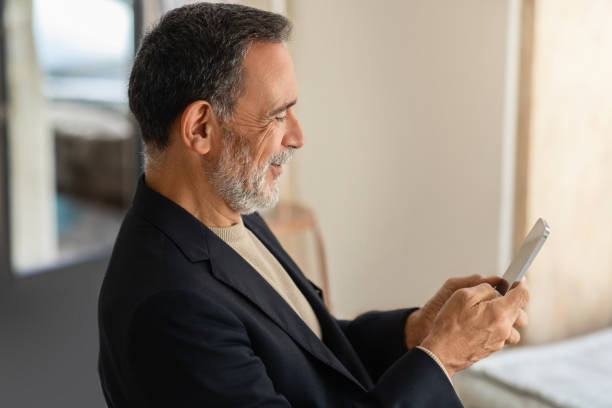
x,y
198,126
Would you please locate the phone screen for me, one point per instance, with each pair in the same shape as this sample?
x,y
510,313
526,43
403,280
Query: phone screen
x,y
525,255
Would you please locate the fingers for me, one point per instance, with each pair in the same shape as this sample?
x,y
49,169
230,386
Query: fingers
x,y
514,337
510,310
522,320
464,281
517,297
479,293
472,280
492,280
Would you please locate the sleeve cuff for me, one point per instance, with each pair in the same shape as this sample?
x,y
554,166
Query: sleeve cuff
x,y
436,359
415,380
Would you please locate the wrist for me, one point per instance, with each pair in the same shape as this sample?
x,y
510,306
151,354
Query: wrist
x,y
415,329
436,348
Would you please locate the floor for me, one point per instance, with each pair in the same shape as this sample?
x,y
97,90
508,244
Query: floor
x,y
49,341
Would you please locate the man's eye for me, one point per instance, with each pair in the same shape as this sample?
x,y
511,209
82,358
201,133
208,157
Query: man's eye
x,y
281,118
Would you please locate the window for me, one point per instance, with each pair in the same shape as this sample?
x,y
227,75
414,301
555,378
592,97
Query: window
x,y
72,148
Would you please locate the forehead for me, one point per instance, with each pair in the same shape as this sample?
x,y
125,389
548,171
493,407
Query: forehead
x,y
268,76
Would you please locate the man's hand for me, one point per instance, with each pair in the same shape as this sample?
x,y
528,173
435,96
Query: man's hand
x,y
419,323
475,322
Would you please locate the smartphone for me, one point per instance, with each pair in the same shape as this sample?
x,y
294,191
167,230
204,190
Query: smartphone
x,y
525,255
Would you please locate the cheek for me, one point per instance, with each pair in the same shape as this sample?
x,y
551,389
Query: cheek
x,y
268,143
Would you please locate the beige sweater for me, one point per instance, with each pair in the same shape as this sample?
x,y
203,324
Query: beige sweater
x,y
246,244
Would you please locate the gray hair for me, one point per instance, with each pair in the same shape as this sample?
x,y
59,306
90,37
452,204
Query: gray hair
x,y
195,52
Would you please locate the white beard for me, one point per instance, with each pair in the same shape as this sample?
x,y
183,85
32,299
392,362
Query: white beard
x,y
243,192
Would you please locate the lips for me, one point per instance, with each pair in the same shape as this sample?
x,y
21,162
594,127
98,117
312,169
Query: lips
x,y
276,169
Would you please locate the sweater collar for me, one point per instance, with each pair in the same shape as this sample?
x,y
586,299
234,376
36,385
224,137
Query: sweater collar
x,y
231,234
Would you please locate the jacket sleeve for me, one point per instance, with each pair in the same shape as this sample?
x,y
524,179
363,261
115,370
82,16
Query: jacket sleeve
x,y
378,338
188,351
415,380
404,377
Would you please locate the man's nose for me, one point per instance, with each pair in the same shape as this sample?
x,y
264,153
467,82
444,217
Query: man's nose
x,y
294,136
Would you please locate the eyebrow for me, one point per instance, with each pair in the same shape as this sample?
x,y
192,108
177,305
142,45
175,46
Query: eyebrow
x,y
282,108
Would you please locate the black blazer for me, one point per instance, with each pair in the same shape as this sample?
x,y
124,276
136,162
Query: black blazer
x,y
185,321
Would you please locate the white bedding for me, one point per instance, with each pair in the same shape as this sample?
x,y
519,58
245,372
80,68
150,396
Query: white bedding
x,y
574,373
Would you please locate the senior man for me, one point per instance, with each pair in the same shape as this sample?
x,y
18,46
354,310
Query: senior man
x,y
201,306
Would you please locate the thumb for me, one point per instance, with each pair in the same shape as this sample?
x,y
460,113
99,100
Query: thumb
x,y
482,293
474,280
518,296
492,280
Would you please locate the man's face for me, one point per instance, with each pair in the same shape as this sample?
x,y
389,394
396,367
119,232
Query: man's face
x,y
261,135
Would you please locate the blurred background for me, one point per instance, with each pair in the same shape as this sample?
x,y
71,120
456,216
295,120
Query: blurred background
x,y
437,132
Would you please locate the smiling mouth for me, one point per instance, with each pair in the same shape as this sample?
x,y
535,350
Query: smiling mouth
x,y
277,169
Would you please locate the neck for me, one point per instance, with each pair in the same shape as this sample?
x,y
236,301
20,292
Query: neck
x,y
191,190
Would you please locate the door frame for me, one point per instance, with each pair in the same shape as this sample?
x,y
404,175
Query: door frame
x,y
5,227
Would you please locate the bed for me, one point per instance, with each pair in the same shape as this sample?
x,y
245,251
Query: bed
x,y
574,373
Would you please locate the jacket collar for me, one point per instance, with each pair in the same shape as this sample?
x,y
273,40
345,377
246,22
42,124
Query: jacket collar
x,y
174,221
199,243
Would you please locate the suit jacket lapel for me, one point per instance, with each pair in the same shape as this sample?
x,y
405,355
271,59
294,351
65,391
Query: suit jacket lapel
x,y
198,243
230,268
333,337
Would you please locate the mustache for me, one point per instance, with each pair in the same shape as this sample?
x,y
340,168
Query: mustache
x,y
283,157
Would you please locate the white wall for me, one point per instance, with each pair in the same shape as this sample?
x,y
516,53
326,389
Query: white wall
x,y
402,104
